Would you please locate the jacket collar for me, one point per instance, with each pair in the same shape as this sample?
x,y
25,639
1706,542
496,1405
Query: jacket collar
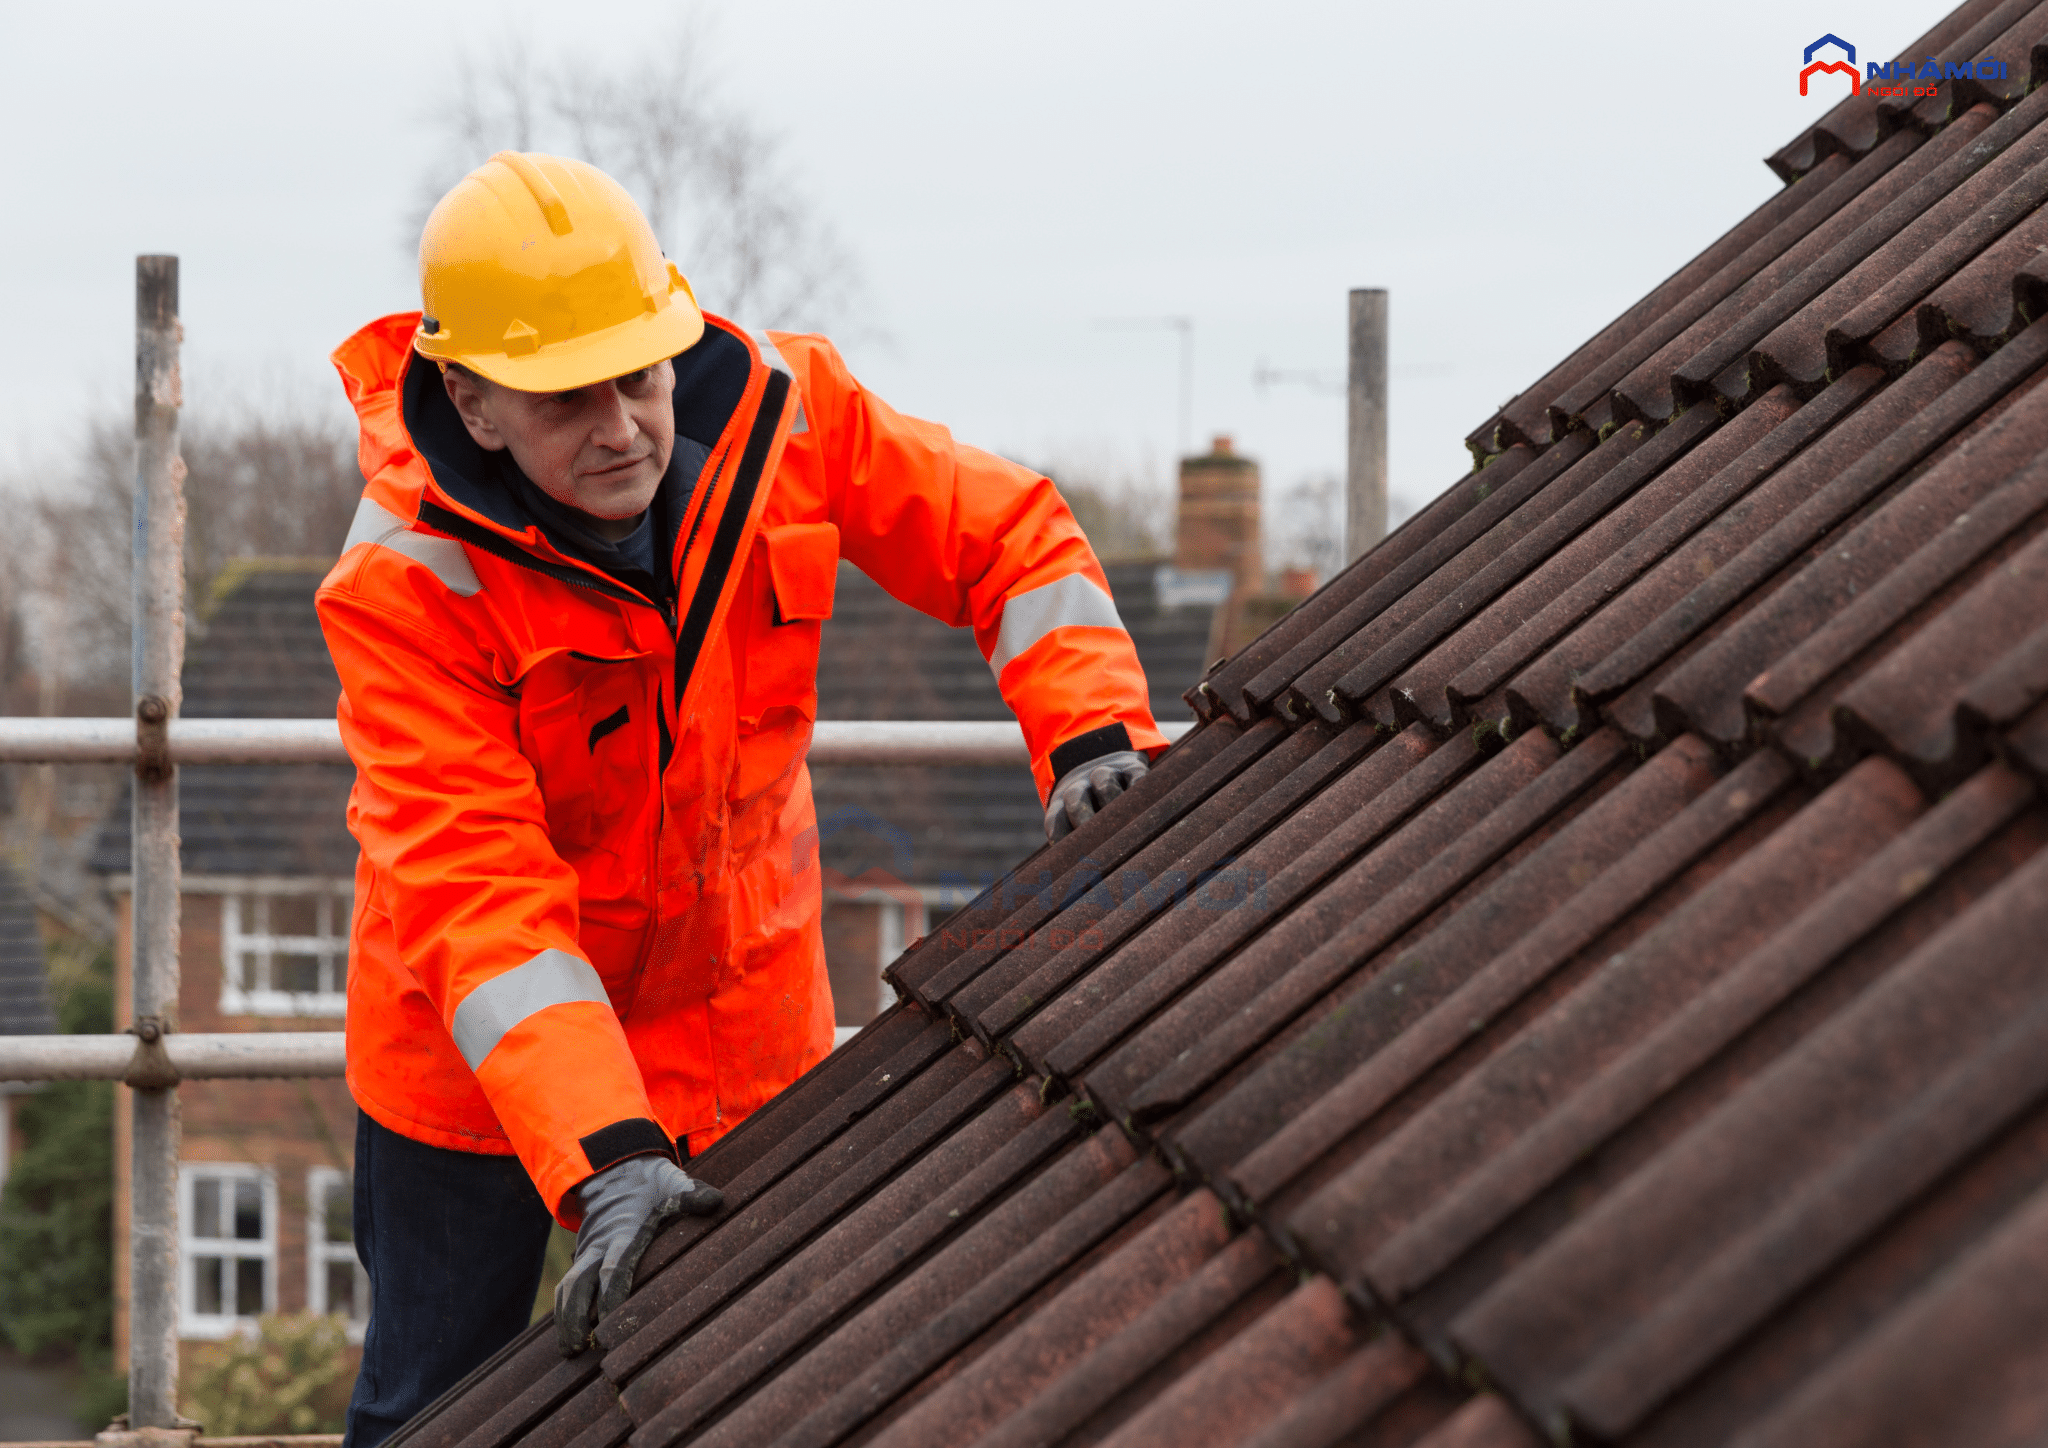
x,y
421,464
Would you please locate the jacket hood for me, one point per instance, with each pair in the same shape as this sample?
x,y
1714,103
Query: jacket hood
x,y
414,450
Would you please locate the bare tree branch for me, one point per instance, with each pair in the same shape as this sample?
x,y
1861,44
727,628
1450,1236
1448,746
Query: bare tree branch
x,y
712,183
265,482
1121,505
1305,525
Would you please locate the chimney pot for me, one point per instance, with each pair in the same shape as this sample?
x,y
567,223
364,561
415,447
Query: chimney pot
x,y
1221,446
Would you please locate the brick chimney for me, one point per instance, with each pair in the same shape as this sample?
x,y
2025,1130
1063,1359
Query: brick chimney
x,y
1219,530
1219,518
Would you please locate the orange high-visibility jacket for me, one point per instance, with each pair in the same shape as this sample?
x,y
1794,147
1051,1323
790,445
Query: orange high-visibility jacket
x,y
587,906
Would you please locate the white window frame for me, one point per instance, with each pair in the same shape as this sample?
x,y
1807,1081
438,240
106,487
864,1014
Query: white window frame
x,y
900,914
320,1252
191,1322
889,933
244,911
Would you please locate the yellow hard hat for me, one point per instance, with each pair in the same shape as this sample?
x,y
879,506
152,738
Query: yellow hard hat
x,y
540,273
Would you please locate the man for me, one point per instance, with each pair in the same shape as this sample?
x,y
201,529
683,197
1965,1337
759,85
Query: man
x,y
577,625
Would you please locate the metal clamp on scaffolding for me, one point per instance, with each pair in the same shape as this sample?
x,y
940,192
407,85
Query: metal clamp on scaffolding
x,y
152,739
150,1068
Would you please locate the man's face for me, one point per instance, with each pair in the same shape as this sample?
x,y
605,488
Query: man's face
x,y
600,449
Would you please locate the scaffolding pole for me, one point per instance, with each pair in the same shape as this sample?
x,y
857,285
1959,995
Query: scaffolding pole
x,y
895,742
187,1056
1365,489
159,621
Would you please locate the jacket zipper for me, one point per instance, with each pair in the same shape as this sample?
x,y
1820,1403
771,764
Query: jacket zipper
x,y
498,546
724,549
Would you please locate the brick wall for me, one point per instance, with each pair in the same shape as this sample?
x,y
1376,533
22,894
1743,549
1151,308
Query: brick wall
x,y
853,947
289,1127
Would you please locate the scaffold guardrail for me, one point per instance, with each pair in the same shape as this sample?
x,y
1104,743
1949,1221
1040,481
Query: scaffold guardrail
x,y
36,740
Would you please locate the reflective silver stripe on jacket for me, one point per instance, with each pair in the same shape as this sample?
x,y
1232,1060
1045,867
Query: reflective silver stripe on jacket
x,y
1031,615
773,359
552,978
384,528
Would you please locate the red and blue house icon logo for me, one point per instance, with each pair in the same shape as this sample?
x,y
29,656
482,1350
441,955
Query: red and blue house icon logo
x,y
1894,77
1817,67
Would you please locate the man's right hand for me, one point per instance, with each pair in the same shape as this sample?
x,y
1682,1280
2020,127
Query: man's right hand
x,y
623,1207
1089,787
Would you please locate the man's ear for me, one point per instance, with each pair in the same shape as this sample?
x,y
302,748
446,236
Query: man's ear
x,y
471,405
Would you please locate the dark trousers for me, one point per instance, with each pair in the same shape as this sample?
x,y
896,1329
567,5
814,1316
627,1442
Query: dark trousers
x,y
454,1243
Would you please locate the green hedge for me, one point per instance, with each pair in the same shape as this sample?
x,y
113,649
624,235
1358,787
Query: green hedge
x,y
57,1212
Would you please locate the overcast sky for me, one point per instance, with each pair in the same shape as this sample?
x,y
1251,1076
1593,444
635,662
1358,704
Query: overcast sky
x,y
1008,177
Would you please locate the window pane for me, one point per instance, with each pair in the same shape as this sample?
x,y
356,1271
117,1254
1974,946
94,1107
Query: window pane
x,y
248,1211
341,1287
206,1273
335,1219
206,1207
294,915
244,970
340,968
295,972
248,1286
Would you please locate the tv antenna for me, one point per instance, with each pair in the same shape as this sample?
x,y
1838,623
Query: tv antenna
x,y
1186,327
1322,380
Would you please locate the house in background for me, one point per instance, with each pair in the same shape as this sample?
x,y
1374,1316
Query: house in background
x,y
268,882
900,847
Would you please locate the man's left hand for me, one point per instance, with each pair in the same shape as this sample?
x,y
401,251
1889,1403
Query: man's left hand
x,y
623,1207
1088,787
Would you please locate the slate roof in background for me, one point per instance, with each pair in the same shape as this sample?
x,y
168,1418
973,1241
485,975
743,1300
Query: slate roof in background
x,y
262,657
1619,985
882,660
24,976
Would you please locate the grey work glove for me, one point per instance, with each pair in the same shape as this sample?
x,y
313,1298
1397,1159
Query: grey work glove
x,y
1086,788
623,1207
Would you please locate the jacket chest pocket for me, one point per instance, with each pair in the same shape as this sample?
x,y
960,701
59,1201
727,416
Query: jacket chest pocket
x,y
796,567
585,724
